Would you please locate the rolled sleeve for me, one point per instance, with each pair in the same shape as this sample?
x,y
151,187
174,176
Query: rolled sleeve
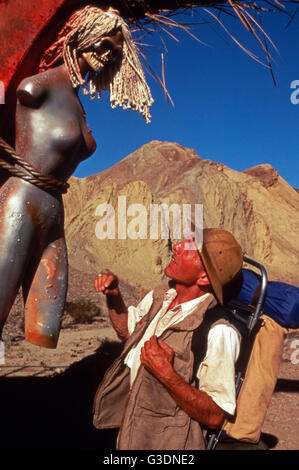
x,y
216,373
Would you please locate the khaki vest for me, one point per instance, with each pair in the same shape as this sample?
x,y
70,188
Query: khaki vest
x,y
147,415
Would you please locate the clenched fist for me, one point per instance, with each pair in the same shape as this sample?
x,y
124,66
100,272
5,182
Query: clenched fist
x,y
157,357
107,283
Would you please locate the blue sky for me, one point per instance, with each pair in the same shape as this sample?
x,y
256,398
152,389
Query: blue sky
x,y
226,106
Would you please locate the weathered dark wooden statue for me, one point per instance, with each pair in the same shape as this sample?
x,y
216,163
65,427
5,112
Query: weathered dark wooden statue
x,y
95,48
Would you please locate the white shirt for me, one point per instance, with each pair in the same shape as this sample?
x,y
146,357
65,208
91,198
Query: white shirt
x,y
216,373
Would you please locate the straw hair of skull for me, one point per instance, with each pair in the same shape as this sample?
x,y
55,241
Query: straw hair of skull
x,y
124,78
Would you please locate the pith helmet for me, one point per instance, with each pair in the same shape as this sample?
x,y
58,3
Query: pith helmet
x,y
222,258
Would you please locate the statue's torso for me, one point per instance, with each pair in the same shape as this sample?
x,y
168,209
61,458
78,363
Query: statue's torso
x,y
51,131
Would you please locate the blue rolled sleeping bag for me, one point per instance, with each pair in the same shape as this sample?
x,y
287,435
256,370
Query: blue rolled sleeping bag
x,y
281,301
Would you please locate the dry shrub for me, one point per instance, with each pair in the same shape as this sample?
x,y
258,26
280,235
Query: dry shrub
x,y
82,311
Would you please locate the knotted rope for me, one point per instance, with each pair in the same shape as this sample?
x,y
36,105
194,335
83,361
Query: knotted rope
x,y
36,178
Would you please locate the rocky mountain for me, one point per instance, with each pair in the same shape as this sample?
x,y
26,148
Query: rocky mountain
x,y
257,206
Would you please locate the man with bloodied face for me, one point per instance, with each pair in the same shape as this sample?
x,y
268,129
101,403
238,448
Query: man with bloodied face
x,y
176,372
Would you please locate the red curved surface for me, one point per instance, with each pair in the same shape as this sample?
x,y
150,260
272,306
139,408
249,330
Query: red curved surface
x,y
21,24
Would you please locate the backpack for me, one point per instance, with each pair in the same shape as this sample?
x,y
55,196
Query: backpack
x,y
267,309
281,301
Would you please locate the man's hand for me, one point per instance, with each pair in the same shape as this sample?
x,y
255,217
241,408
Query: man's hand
x,y
157,357
107,283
